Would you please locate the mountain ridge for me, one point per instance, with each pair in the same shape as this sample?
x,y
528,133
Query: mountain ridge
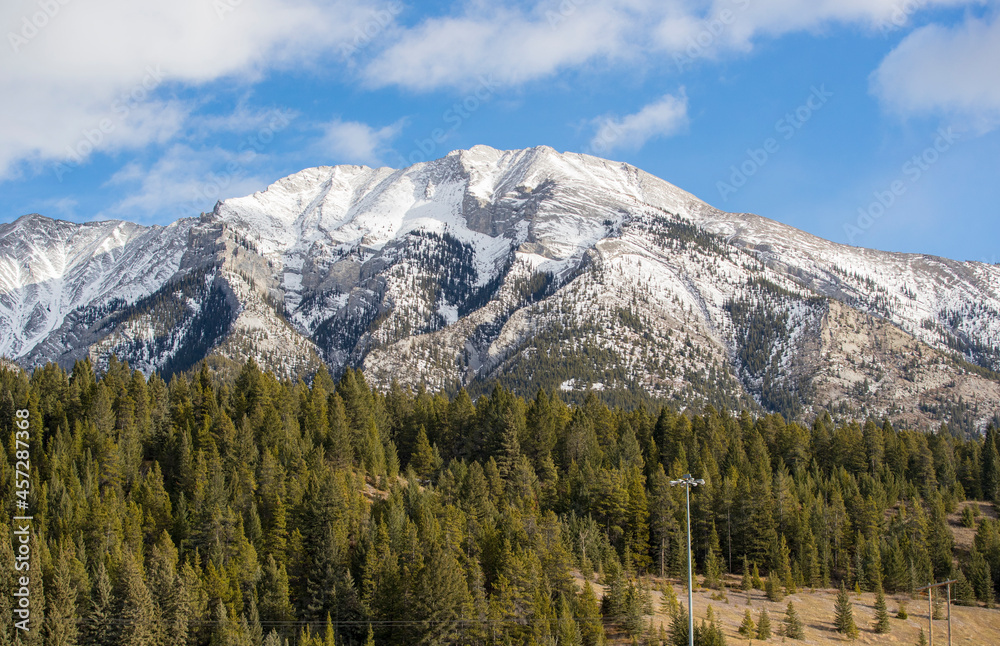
x,y
490,265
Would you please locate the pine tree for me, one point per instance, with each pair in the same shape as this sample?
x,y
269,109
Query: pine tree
x,y
844,614
745,583
881,622
60,616
588,610
98,627
793,625
812,571
137,612
668,602
339,448
251,622
569,631
771,588
708,632
763,624
938,607
330,635
922,640
755,579
713,562
748,628
901,611
679,628
7,579
422,459
964,593
785,568
442,596
980,576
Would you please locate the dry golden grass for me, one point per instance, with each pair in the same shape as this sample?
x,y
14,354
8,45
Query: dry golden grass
x,y
970,626
964,536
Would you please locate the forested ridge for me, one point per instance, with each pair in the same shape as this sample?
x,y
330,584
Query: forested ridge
x,y
252,511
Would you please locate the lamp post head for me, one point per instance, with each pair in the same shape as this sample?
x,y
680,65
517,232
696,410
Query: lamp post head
x,y
687,481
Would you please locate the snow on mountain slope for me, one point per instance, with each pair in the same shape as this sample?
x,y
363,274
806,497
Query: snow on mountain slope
x,y
528,266
917,292
49,268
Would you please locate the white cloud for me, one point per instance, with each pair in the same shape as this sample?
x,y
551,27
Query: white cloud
x,y
518,45
183,182
352,142
508,44
115,62
941,70
662,118
755,18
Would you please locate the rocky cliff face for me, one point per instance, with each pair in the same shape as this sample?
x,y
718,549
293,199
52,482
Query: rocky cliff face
x,y
530,267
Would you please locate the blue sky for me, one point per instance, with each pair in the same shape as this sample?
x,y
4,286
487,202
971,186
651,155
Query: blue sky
x,y
868,122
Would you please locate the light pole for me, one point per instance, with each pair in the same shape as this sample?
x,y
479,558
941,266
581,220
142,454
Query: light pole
x,y
687,481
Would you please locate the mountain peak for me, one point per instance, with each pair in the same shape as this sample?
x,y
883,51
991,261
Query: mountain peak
x,y
532,267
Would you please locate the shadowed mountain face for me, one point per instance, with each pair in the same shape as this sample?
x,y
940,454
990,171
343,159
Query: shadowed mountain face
x,y
529,267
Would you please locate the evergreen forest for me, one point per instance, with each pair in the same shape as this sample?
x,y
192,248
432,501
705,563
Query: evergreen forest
x,y
253,511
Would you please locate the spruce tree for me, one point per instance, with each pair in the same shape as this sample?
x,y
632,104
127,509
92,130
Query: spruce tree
x,y
422,459
60,618
569,631
668,602
98,628
747,627
881,622
793,625
938,607
785,568
771,588
745,583
713,562
964,594
922,640
339,448
844,614
708,633
679,628
589,612
763,624
137,613
980,576
7,579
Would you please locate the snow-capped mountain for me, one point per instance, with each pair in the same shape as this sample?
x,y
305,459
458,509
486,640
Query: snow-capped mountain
x,y
529,267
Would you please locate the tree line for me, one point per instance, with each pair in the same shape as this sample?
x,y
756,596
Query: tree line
x,y
258,511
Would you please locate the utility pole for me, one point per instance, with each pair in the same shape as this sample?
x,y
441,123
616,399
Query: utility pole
x,y
687,482
930,608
